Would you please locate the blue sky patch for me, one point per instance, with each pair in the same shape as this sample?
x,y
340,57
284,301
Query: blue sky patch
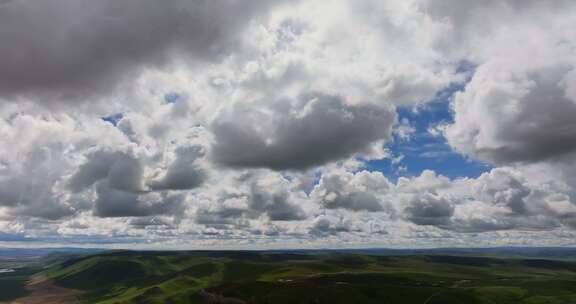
x,y
172,97
424,151
114,119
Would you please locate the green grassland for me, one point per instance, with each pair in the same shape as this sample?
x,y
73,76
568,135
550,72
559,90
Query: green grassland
x,y
252,277
25,264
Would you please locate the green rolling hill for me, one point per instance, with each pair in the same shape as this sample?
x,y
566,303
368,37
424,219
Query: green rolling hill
x,y
268,277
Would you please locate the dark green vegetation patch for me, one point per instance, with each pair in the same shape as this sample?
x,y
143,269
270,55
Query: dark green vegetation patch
x,y
13,284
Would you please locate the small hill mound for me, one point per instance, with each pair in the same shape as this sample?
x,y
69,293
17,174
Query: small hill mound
x,y
102,272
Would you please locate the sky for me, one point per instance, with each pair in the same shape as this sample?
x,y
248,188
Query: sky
x,y
197,124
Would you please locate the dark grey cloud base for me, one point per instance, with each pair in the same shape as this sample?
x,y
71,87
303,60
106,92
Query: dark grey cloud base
x,y
327,129
76,49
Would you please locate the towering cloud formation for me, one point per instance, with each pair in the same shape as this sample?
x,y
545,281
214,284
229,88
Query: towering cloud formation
x,y
509,114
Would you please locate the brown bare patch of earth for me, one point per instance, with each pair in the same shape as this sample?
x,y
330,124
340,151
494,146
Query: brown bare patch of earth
x,y
43,291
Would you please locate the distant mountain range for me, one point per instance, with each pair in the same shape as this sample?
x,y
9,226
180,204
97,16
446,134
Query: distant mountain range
x,y
39,252
548,252
544,252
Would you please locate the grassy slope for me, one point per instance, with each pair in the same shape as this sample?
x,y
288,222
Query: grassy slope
x,y
26,264
178,277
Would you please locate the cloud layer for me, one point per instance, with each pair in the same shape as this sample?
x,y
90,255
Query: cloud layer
x,y
265,123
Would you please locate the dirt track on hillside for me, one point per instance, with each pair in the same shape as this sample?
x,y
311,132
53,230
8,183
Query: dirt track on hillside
x,y
43,291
